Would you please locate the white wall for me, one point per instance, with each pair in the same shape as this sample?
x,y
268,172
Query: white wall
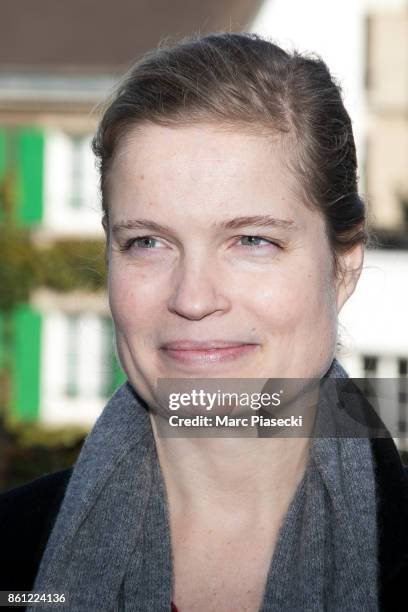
x,y
375,318
335,31
385,5
60,216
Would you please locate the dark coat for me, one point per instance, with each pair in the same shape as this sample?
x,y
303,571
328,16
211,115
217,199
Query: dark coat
x,y
27,515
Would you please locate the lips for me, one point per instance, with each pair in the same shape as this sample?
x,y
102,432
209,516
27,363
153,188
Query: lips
x,y
197,345
206,352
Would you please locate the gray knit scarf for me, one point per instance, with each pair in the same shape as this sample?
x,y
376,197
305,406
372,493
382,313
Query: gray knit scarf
x,y
110,546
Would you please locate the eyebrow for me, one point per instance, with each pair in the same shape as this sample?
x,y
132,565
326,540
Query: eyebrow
x,y
237,223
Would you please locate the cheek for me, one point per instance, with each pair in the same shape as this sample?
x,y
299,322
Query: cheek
x,y
133,299
300,298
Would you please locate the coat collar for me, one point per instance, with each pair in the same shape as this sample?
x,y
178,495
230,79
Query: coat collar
x,y
392,513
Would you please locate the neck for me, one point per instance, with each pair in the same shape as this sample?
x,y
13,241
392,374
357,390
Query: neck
x,y
231,473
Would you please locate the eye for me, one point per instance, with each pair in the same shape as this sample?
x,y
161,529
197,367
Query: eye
x,y
256,241
143,243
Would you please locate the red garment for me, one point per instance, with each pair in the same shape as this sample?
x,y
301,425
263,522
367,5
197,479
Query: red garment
x,y
173,608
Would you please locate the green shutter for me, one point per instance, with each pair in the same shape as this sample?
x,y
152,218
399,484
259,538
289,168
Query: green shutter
x,y
2,348
116,376
3,162
31,154
2,152
27,364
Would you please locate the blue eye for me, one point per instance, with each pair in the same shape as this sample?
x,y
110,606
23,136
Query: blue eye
x,y
149,243
253,241
144,243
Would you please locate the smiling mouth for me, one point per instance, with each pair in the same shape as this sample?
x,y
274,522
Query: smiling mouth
x,y
197,355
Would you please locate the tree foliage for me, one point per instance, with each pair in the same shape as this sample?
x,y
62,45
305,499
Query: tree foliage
x,y
19,267
63,266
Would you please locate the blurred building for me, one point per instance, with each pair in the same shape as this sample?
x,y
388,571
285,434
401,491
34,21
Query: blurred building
x,y
376,317
58,61
386,81
49,86
365,44
63,364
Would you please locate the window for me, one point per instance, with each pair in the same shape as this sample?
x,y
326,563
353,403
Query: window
x,y
404,207
108,359
72,356
369,371
368,51
370,366
80,155
91,370
403,396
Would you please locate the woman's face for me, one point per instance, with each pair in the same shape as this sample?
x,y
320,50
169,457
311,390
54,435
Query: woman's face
x,y
209,247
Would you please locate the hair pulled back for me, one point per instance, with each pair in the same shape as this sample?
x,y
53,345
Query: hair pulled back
x,y
245,80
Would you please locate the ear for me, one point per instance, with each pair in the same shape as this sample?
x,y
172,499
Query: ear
x,y
350,265
105,225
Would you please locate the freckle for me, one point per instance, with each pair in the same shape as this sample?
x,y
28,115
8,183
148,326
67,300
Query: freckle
x,y
141,177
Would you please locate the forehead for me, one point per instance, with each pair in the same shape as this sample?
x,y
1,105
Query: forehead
x,y
203,167
221,148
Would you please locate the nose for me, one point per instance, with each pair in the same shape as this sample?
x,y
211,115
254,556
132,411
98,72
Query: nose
x,y
199,290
